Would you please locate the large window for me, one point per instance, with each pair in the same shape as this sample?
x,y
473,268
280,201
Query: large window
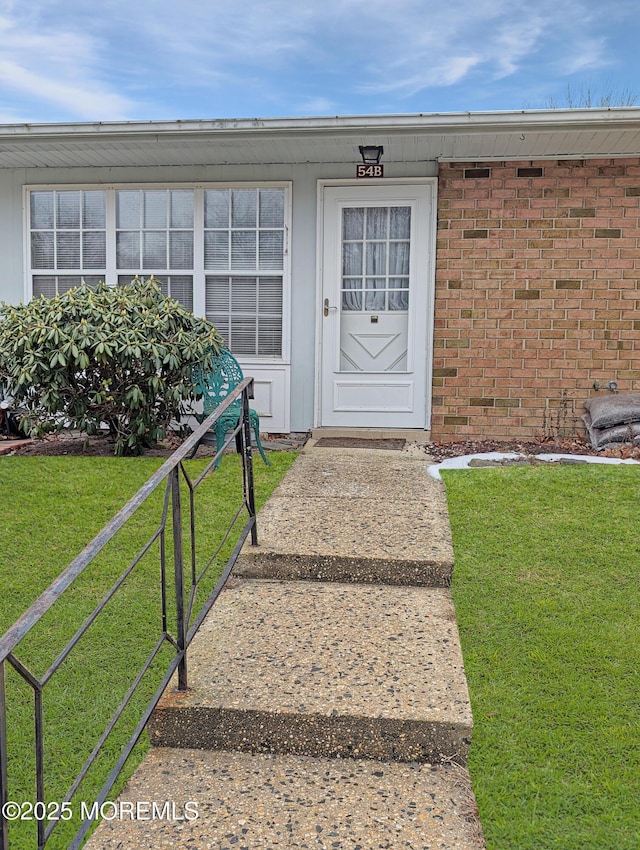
x,y
219,251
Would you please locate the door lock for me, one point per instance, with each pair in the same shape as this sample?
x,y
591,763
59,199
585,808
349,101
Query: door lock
x,y
326,308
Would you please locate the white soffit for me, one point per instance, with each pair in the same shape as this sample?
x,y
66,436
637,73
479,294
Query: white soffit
x,y
549,134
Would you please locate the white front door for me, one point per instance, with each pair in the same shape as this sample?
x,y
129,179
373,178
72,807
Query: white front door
x,y
377,305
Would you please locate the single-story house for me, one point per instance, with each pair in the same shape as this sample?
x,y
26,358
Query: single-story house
x,y
476,276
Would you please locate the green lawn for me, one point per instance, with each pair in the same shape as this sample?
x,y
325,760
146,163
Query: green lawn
x,y
55,506
547,595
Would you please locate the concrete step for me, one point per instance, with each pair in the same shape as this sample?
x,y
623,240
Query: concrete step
x,y
249,802
324,669
354,516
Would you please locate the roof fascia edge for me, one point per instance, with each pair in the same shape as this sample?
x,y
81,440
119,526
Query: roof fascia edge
x,y
435,123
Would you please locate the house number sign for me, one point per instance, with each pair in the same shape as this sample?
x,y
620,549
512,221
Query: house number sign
x,y
364,169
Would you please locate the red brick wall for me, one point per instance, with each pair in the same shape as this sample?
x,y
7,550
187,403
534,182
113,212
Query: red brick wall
x,y
536,294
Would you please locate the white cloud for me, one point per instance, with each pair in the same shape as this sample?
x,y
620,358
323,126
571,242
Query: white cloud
x,y
590,54
452,71
514,41
495,37
84,102
56,67
317,106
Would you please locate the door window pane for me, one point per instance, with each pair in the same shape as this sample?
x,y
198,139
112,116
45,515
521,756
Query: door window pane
x,y
366,234
399,258
376,258
353,223
377,222
374,301
399,300
352,300
352,258
400,223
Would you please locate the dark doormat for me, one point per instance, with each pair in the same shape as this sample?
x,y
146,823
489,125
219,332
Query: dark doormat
x,y
359,443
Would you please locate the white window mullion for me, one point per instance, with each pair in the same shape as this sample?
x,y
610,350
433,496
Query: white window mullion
x,y
199,282
111,272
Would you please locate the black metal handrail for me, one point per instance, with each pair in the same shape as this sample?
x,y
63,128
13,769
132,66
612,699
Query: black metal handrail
x,y
171,473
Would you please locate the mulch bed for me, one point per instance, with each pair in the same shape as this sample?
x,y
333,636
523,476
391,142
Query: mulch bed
x,y
75,444
572,446
80,445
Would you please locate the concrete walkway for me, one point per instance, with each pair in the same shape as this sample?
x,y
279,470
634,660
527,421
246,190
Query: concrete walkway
x,y
328,705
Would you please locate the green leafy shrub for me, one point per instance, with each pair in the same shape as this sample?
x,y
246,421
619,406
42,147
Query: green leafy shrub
x,y
115,355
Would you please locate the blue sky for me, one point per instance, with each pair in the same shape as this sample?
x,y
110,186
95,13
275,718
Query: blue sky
x,y
75,60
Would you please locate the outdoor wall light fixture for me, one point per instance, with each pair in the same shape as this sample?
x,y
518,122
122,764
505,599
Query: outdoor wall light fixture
x,y
371,154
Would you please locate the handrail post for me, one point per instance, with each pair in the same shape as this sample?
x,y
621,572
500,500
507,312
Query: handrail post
x,y
247,463
178,561
4,825
39,732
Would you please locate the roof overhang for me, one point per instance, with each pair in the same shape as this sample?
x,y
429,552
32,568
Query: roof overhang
x,y
479,136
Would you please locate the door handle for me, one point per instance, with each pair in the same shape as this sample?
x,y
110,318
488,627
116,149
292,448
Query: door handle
x,y
327,307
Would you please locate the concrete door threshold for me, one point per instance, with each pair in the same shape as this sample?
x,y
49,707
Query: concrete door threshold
x,y
414,435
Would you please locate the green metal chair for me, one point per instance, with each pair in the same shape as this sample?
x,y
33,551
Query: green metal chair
x,y
215,386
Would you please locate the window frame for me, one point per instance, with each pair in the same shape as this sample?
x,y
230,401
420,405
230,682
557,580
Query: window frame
x,y
199,271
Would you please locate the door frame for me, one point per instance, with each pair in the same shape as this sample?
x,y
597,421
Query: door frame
x,y
323,184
